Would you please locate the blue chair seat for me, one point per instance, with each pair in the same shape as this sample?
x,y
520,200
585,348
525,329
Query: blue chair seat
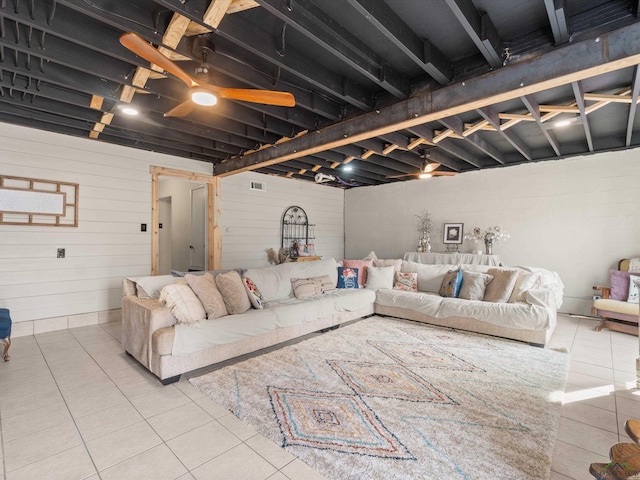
x,y
5,331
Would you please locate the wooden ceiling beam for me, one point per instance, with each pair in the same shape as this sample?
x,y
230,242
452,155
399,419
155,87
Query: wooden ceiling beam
x,y
235,6
577,61
455,123
532,105
609,97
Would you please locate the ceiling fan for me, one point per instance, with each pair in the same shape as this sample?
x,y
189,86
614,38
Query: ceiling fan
x,y
428,170
201,93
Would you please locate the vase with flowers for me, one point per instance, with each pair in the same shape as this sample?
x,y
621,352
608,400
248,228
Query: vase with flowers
x,y
424,229
491,236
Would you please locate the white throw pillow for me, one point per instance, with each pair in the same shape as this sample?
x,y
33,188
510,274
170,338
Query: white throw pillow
x,y
183,303
380,277
526,281
633,289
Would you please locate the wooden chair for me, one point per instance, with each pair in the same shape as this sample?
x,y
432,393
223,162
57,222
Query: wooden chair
x,y
617,315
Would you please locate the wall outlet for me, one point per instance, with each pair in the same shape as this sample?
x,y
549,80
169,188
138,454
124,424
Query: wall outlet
x,y
61,253
143,227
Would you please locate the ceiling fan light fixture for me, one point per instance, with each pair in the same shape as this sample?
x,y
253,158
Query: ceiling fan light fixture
x,y
204,98
425,175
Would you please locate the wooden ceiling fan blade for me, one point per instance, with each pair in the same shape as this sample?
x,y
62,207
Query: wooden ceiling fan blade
x,y
184,109
267,97
443,174
142,48
404,175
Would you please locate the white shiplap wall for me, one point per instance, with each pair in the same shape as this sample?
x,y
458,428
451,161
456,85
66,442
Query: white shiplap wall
x,y
47,293
576,216
250,219
107,245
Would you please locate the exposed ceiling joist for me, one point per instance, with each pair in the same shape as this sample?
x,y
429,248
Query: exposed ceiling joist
x,y
480,29
614,50
557,13
421,52
532,105
635,90
492,117
578,92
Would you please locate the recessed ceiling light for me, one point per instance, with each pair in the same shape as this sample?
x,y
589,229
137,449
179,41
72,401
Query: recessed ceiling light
x,y
129,110
347,168
562,123
202,97
425,175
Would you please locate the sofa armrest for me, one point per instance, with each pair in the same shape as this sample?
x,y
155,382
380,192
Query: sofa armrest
x,y
140,318
606,291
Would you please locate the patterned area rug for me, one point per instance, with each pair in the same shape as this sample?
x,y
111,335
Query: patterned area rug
x,y
390,399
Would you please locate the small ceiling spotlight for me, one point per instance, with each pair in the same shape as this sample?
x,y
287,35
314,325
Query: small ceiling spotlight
x,y
562,123
129,110
347,168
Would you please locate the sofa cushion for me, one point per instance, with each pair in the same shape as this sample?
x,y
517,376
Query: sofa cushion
x,y
204,286
525,282
182,303
380,277
255,297
619,285
633,289
474,285
618,306
396,263
361,265
450,286
347,277
500,288
429,276
406,281
274,282
233,293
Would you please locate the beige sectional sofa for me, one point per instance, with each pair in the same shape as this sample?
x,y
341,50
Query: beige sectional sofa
x,y
168,348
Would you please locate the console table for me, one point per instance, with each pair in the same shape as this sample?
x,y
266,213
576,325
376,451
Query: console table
x,y
453,258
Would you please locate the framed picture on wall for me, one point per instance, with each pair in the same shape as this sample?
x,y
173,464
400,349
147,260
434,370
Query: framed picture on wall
x,y
453,233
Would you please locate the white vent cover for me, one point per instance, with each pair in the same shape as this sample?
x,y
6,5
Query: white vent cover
x,y
255,185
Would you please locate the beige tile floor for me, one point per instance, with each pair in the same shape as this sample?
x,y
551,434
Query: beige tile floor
x,y
74,406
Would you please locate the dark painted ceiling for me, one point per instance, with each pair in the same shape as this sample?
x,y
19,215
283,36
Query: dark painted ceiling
x,y
380,87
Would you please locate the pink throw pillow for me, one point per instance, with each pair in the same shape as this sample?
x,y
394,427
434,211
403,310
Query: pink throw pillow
x,y
361,265
619,285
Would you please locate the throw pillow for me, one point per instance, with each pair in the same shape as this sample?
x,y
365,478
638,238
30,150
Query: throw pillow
x,y
371,256
325,282
395,263
361,265
525,282
407,282
306,287
233,293
474,285
347,277
380,277
620,285
204,286
255,297
633,289
500,288
182,303
451,284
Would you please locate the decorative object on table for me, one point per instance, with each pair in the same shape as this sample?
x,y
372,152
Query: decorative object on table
x,y
491,236
345,419
452,236
424,228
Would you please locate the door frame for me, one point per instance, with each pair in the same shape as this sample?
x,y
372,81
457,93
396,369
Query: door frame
x,y
214,235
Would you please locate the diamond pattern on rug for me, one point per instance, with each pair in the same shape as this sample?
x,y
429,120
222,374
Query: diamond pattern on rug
x,y
388,381
452,339
333,421
423,355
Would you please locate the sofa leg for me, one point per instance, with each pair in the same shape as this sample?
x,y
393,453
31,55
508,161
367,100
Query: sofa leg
x,y
7,344
170,380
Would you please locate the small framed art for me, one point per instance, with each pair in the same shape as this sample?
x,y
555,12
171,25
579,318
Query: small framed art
x,y
453,233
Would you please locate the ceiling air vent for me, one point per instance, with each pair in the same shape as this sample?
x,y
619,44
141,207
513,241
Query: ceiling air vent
x,y
255,185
